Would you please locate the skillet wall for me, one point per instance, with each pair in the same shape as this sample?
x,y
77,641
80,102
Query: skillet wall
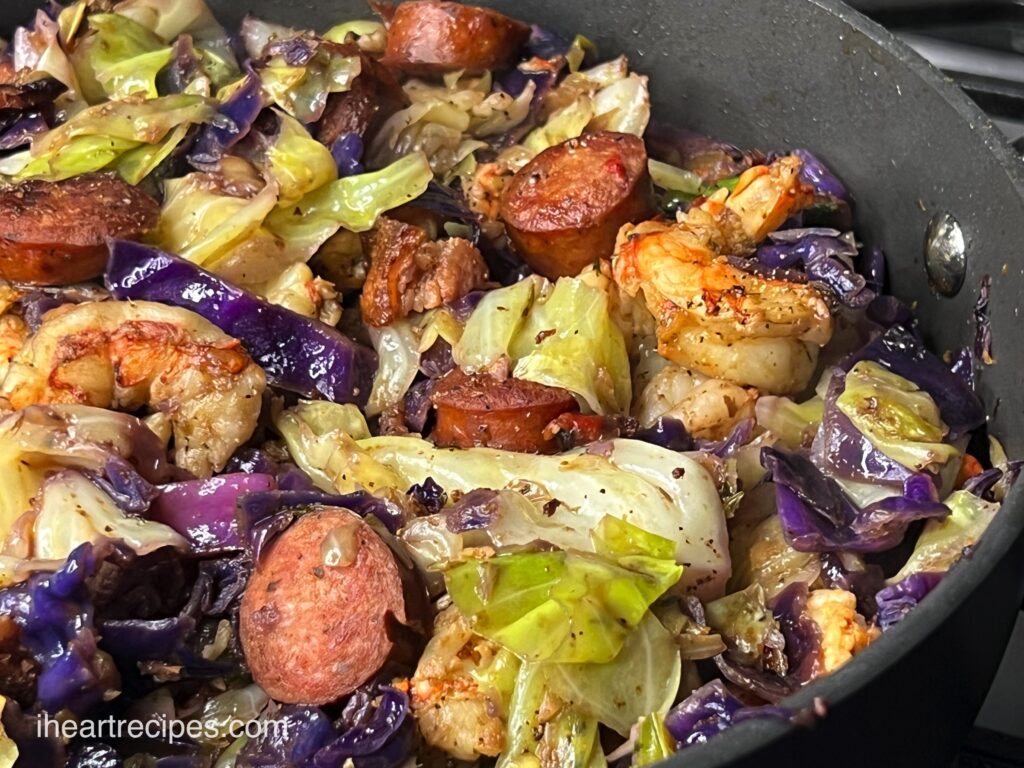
x,y
787,73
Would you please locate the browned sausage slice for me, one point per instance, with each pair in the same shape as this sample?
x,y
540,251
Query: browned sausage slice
x,y
563,209
55,233
409,273
312,621
479,410
428,36
375,95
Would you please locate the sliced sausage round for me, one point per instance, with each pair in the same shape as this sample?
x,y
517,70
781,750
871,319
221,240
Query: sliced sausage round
x,y
374,96
55,232
479,410
563,209
429,36
313,621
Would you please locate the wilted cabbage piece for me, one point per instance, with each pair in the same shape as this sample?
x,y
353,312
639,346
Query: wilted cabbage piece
x,y
353,202
749,629
241,103
143,121
204,223
121,56
538,325
40,440
675,179
169,18
136,164
205,510
897,600
541,724
398,353
368,35
301,73
55,614
792,424
607,97
642,679
93,138
321,438
556,606
898,418
374,727
297,162
763,556
709,710
903,353
499,316
818,515
943,542
38,48
655,489
653,741
448,121
72,510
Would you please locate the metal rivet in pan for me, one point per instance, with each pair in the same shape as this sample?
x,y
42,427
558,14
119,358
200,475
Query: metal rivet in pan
x,y
945,254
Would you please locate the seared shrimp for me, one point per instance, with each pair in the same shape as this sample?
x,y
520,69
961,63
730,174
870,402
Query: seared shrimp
x,y
844,632
453,712
714,317
763,198
709,408
126,355
13,333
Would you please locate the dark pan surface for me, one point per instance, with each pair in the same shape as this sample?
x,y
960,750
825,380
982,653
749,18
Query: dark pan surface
x,y
788,73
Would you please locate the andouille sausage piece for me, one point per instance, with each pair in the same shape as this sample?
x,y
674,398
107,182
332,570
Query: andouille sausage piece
x,y
374,96
55,232
313,616
479,410
429,36
563,209
410,273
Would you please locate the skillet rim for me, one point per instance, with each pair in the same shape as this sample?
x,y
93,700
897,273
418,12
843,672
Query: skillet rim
x,y
743,740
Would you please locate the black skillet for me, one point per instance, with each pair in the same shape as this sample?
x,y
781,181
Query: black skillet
x,y
909,144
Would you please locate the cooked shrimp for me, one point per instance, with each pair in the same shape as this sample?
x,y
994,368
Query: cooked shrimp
x,y
13,333
709,408
714,317
8,296
763,198
298,289
844,633
127,355
453,712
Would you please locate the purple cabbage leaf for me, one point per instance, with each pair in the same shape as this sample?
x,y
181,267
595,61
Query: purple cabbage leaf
x,y
315,360
818,516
